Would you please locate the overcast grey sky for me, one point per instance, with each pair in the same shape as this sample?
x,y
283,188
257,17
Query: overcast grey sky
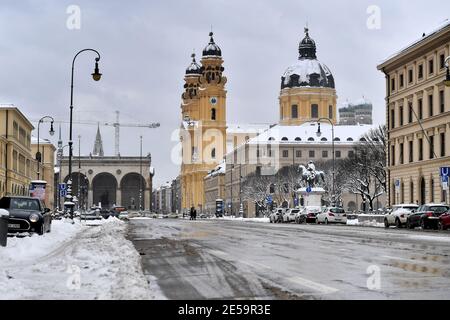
x,y
146,47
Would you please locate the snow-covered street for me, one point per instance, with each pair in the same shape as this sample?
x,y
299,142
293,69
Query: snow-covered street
x,y
232,259
74,262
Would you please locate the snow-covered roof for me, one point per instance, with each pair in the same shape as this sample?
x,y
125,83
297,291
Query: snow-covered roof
x,y
247,128
304,68
427,35
220,169
306,134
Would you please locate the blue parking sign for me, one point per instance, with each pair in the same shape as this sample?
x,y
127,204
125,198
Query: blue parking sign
x,y
444,171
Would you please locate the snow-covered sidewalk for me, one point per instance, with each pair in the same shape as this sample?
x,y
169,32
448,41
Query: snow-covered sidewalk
x,y
74,261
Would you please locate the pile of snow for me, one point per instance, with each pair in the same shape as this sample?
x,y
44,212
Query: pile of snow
x,y
75,262
372,221
264,220
29,248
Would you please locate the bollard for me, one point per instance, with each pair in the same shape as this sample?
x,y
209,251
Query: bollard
x,y
4,218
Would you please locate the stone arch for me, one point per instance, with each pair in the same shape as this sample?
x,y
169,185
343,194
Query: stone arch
x,y
104,186
130,190
351,206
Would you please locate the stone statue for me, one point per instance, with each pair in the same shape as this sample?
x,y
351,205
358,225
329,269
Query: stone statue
x,y
310,175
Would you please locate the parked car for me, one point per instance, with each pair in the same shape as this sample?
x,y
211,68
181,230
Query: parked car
x,y
124,215
399,214
173,215
114,212
277,215
308,214
290,214
444,221
332,215
428,215
94,214
27,214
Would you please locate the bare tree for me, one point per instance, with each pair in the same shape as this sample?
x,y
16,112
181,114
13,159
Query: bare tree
x,y
256,188
365,171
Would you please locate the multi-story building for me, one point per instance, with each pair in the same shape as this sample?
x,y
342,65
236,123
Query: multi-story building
x,y
17,165
358,112
176,195
46,167
214,187
418,116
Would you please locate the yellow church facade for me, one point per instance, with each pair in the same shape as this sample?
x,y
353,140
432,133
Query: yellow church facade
x,y
203,130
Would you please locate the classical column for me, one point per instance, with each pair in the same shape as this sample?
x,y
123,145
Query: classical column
x,y
146,199
119,196
90,197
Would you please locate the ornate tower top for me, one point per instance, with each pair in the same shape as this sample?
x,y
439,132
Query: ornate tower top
x,y
212,49
194,68
98,146
307,48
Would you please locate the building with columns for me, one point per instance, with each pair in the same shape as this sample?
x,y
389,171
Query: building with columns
x,y
418,116
110,180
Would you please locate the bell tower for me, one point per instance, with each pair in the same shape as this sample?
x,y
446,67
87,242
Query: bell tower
x,y
203,123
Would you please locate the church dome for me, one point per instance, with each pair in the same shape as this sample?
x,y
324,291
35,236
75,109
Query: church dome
x,y
212,49
307,71
194,68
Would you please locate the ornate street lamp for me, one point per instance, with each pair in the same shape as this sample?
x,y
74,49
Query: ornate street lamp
x,y
38,153
96,76
319,134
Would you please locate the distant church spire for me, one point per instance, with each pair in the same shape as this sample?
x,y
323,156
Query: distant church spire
x,y
98,146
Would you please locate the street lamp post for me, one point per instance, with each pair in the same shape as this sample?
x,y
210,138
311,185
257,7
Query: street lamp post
x,y
140,177
38,153
334,156
96,76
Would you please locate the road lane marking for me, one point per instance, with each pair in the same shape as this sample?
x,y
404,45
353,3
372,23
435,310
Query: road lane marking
x,y
313,285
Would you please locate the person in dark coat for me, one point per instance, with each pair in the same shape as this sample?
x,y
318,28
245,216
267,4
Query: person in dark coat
x,y
192,213
195,214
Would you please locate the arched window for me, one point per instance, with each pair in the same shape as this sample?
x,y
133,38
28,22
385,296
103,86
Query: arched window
x,y
310,139
213,114
298,139
213,153
337,139
294,111
314,111
363,140
271,139
284,139
324,139
422,191
330,112
349,139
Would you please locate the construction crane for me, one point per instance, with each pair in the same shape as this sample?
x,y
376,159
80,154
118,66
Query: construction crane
x,y
116,126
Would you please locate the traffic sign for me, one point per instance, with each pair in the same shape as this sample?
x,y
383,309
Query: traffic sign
x,y
62,186
444,171
269,199
308,189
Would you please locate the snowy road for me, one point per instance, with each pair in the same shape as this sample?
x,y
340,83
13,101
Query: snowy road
x,y
217,259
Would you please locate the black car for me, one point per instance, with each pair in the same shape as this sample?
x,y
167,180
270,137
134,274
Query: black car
x,y
26,214
426,216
